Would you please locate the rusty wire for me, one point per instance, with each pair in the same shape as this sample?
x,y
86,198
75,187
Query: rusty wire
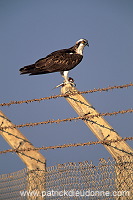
x,y
104,142
68,119
65,95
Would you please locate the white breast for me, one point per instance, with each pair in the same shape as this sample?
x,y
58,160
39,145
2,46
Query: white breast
x,y
80,49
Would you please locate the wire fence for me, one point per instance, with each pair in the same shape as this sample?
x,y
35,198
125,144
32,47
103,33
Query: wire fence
x,y
65,95
89,116
82,180
11,184
71,118
104,142
85,117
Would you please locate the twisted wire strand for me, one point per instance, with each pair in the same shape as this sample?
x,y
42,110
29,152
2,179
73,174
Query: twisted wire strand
x,y
65,95
104,142
68,119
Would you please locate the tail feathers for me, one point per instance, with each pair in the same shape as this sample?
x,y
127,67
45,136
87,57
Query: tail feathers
x,y
27,69
32,70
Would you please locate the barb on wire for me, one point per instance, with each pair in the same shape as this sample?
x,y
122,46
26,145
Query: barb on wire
x,y
68,119
65,95
104,142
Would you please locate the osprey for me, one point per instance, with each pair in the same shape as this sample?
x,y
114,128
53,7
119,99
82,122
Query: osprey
x,y
59,61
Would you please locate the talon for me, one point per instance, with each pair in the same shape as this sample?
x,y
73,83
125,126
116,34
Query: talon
x,y
71,81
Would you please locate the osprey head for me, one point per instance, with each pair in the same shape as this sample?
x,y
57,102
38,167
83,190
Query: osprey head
x,y
80,44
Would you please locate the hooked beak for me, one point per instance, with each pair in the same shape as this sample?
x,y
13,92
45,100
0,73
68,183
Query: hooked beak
x,y
87,44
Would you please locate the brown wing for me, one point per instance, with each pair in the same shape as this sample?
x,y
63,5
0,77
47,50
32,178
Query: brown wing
x,y
62,60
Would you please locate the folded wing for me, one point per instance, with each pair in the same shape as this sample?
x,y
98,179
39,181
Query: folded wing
x,y
62,60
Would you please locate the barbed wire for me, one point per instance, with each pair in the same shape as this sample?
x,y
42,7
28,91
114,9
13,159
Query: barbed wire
x,y
85,117
65,95
104,142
